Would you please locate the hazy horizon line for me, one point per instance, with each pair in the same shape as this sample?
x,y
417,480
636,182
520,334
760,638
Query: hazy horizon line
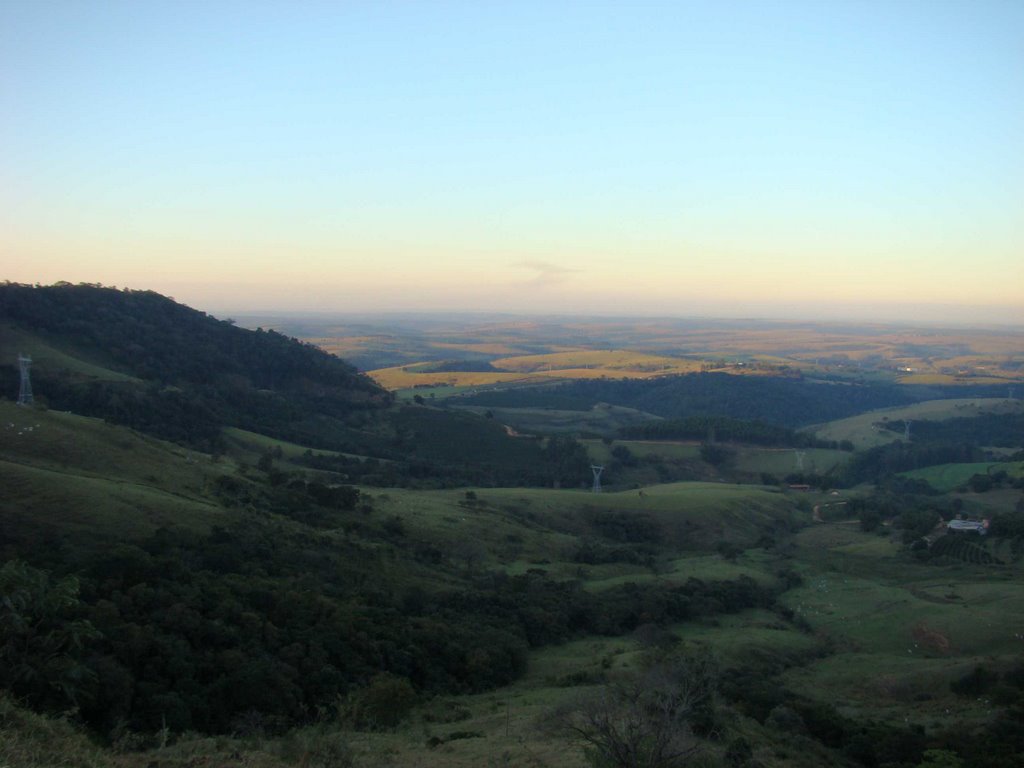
x,y
499,315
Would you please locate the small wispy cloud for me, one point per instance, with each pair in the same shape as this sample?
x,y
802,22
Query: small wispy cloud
x,y
545,273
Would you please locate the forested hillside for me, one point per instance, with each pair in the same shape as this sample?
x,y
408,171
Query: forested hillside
x,y
788,401
183,374
141,360
721,428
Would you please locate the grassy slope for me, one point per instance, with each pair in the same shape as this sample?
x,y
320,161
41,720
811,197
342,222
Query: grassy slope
x,y
860,594
860,429
946,477
879,609
91,480
78,475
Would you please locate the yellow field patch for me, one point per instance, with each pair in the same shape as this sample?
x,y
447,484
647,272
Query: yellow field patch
x,y
402,378
571,364
484,349
945,378
612,360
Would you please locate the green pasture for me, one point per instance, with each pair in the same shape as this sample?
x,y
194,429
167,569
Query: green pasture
x,y
733,639
675,573
492,532
90,447
253,444
783,461
901,631
946,477
692,514
682,498
902,687
517,530
862,432
249,446
94,507
65,473
883,618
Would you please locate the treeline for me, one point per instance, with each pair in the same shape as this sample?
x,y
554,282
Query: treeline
x,y
1004,430
877,463
457,454
453,366
713,428
791,402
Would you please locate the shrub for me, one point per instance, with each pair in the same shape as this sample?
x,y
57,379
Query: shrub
x,y
382,704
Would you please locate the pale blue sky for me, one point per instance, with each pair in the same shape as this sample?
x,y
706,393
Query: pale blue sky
x,y
805,158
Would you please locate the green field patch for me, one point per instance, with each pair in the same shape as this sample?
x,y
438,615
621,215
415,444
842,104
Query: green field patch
x,y
251,445
835,536
255,443
871,546
905,687
94,507
677,572
90,447
717,568
595,655
784,461
597,582
490,531
946,477
559,570
863,430
519,529
735,638
865,615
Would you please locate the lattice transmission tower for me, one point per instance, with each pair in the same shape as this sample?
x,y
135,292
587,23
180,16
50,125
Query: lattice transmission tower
x,y
597,477
25,393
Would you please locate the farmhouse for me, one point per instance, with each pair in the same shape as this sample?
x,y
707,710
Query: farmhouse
x,y
968,526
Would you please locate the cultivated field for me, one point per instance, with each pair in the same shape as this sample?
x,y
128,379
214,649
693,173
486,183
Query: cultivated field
x,y
912,355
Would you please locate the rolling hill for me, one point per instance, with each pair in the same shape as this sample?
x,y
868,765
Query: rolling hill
x,y
141,360
255,542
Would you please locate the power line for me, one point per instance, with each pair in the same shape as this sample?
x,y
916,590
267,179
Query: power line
x,y
25,394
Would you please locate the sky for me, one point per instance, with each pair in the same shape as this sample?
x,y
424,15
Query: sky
x,y
779,158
